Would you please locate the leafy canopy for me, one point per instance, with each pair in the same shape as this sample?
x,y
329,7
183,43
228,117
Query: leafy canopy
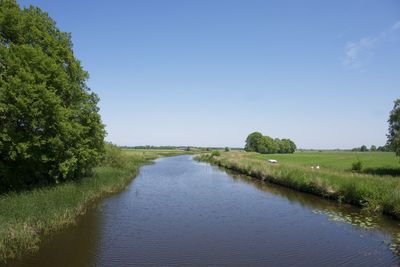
x,y
394,128
50,129
256,142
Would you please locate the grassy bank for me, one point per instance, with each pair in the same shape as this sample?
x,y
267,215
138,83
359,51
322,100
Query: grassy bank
x,y
379,163
26,216
374,193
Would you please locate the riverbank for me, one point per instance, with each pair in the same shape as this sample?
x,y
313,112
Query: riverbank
x,y
27,216
373,193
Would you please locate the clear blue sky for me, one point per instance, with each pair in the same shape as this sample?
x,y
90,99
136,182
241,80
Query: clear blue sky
x,y
207,73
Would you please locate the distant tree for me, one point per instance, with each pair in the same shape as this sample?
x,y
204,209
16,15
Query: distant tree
x,y
187,148
393,136
373,148
227,149
267,145
290,146
252,141
286,146
382,148
363,148
50,128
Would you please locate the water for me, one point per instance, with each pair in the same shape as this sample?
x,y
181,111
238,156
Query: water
x,y
179,212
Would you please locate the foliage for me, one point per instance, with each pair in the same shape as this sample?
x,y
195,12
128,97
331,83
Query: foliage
x,y
227,149
256,142
373,148
357,166
252,141
215,153
382,148
363,148
394,128
114,156
286,146
50,129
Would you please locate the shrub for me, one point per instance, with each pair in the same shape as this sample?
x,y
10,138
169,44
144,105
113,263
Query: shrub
x,y
357,166
114,157
215,153
227,149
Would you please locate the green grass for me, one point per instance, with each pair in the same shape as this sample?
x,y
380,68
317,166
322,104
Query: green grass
x,y
374,193
338,161
26,216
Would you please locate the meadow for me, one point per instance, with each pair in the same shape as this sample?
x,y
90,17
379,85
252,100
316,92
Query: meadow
x,y
380,163
25,217
375,193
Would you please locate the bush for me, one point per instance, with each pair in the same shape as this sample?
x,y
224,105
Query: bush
x,y
50,128
227,149
215,153
114,157
357,166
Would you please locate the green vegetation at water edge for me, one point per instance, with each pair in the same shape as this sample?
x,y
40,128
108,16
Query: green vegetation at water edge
x,y
26,216
334,178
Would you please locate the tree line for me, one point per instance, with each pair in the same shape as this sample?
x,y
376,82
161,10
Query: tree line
x,y
257,142
373,148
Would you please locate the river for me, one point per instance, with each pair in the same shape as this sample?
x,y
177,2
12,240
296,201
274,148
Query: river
x,y
180,212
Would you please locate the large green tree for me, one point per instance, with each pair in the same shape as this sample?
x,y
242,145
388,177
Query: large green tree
x,y
252,141
267,145
287,146
256,142
394,128
50,129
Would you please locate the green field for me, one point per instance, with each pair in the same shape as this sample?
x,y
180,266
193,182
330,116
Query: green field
x,y
380,163
335,180
26,216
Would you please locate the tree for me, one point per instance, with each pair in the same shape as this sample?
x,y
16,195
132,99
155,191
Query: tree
x,y
267,145
287,146
373,148
50,128
382,148
363,148
252,141
227,149
393,136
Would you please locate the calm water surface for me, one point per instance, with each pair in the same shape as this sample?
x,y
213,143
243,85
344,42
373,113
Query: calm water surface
x,y
179,212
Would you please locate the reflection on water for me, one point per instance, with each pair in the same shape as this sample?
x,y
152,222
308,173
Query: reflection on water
x,y
181,212
342,213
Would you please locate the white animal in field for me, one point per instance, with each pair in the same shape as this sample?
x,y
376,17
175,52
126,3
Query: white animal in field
x,y
315,167
272,161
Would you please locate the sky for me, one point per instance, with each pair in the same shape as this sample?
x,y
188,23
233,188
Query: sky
x,y
208,73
